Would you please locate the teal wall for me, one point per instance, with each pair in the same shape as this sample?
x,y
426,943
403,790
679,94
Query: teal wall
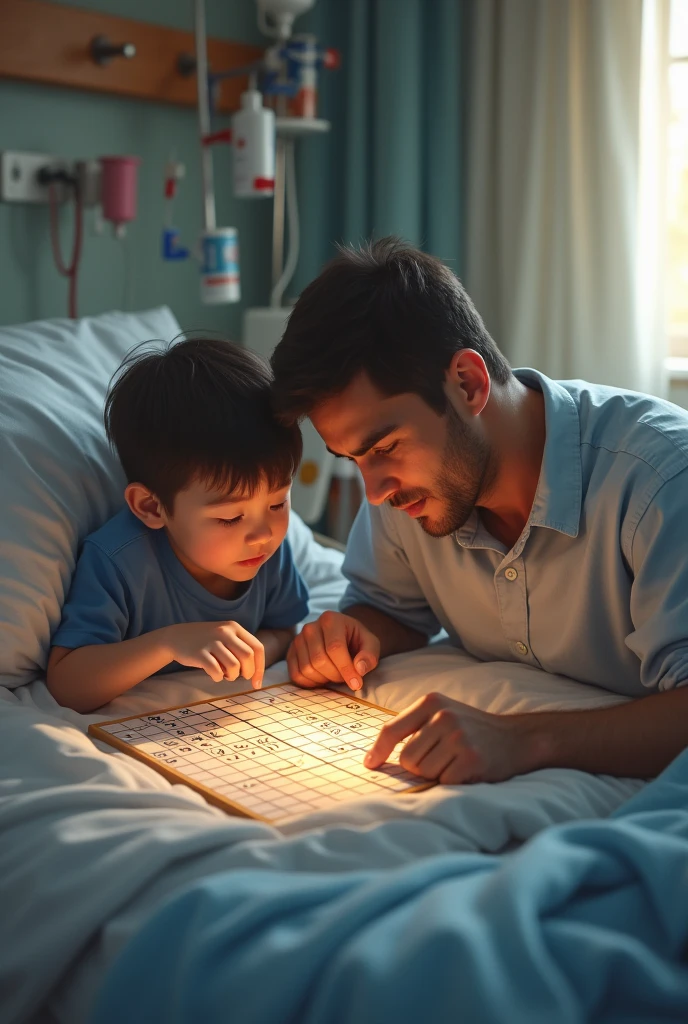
x,y
129,275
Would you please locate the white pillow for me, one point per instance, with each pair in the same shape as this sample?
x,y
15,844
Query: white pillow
x,y
58,478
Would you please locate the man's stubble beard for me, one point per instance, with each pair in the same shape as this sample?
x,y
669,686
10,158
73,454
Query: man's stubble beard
x,y
468,475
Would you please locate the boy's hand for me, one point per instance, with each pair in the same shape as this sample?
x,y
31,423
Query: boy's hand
x,y
225,650
335,649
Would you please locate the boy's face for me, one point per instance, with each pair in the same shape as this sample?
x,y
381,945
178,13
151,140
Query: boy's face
x,y
216,535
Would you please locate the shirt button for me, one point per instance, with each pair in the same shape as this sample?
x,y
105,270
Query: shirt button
x,y
511,574
521,647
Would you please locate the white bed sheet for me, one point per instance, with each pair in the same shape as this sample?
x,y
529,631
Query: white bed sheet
x,y
92,841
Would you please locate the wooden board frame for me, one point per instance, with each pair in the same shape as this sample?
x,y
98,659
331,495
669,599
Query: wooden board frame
x,y
97,732
49,43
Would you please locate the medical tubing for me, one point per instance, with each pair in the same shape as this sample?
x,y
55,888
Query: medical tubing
x,y
293,221
71,271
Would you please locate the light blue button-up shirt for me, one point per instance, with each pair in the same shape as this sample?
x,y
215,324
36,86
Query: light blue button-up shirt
x,y
595,588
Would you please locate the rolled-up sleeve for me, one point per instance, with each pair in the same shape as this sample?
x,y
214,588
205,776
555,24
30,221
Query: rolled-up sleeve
x,y
659,594
379,573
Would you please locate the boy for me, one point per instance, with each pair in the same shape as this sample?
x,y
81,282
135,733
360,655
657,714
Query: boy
x,y
185,574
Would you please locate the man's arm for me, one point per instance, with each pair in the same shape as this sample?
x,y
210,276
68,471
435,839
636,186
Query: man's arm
x,y
384,610
454,743
275,643
636,739
384,592
394,637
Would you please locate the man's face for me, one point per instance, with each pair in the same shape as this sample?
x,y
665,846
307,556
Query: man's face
x,y
433,467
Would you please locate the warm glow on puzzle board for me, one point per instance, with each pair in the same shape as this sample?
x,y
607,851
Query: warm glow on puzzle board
x,y
270,753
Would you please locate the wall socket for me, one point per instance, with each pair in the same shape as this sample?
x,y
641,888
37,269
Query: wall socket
x,y
19,178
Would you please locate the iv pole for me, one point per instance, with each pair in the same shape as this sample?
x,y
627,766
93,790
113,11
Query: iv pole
x,y
209,221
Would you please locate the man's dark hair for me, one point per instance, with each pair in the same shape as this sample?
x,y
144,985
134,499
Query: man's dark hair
x,y
386,309
198,409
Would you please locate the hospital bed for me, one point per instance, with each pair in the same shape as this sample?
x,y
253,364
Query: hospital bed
x,y
557,896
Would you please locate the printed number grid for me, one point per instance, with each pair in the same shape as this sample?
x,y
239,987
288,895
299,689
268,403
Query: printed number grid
x,y
276,752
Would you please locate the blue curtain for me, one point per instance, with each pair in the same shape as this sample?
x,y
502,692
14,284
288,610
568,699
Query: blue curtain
x,y
391,163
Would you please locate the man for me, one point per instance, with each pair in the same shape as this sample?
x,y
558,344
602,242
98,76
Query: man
x,y
537,521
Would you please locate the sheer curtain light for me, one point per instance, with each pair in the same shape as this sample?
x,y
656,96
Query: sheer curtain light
x,y
566,167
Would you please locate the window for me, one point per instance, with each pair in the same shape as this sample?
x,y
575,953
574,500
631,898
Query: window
x,y
677,298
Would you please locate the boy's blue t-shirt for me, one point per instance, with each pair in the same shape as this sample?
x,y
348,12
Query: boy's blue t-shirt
x,y
128,581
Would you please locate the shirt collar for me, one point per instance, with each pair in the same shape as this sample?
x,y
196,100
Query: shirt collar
x,y
557,502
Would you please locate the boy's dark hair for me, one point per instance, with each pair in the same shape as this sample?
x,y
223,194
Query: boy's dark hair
x,y
386,309
198,409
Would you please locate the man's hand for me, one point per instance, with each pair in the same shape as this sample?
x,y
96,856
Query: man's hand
x,y
452,742
335,649
225,650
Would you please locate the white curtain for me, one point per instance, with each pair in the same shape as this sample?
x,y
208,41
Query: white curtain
x,y
565,174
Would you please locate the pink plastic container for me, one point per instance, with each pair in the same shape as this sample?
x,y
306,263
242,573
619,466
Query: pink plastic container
x,y
118,188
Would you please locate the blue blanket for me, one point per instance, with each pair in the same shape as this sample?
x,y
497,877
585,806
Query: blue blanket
x,y
586,922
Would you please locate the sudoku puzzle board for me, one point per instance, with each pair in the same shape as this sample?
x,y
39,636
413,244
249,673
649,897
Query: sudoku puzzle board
x,y
270,753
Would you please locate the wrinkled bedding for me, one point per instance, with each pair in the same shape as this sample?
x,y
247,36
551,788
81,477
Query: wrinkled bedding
x,y
587,922
93,842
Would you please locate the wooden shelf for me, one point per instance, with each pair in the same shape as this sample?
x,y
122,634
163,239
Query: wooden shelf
x,y
49,43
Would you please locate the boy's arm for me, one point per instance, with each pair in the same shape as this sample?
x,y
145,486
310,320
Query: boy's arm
x,y
85,678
